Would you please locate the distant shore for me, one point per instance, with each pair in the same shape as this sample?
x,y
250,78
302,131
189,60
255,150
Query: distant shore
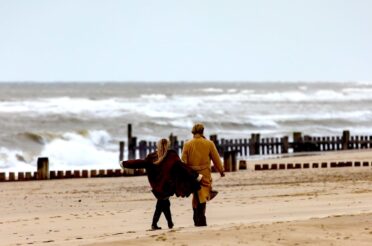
x,y
283,207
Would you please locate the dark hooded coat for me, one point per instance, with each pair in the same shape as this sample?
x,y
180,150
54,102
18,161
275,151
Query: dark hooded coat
x,y
170,176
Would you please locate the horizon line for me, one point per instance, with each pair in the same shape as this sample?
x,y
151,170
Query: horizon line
x,y
187,81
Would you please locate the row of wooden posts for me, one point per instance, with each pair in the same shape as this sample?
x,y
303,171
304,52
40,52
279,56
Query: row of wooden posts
x,y
255,145
43,172
332,164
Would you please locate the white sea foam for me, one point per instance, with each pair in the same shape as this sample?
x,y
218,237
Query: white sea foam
x,y
154,96
213,90
14,161
75,151
93,150
158,105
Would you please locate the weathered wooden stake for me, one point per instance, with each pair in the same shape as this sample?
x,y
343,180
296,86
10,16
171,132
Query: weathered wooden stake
x,y
142,149
345,139
242,165
43,168
229,161
121,151
2,177
297,142
132,148
11,176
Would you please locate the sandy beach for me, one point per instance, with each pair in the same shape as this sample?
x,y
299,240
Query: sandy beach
x,y
283,207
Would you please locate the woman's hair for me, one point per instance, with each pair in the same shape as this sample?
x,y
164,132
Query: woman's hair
x,y
162,147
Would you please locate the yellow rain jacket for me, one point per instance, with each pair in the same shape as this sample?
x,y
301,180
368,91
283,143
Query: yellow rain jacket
x,y
197,153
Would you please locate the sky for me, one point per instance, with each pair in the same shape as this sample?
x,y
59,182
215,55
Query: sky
x,y
185,40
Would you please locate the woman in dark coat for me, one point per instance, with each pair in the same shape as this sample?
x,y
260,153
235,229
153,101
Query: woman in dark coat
x,y
167,175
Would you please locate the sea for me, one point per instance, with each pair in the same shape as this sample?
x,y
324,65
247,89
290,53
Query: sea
x,y
79,125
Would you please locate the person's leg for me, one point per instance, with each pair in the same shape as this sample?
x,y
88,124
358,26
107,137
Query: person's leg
x,y
199,212
156,216
167,213
195,202
202,220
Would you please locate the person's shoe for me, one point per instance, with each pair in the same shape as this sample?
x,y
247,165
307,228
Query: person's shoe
x,y
213,194
170,225
155,227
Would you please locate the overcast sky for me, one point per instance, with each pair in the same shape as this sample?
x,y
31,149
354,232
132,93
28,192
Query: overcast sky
x,y
190,40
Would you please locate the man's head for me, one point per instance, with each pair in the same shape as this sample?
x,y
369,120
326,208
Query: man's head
x,y
198,129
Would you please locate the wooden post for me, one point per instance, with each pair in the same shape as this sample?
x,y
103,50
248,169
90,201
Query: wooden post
x,y
172,142
21,176
129,132
263,145
110,173
272,146
43,168
245,144
132,148
338,143
131,144
297,141
60,174
2,177
142,149
251,145
121,151
345,139
28,176
333,141
229,161
76,173
93,173
52,175
257,144
285,145
118,172
11,176
242,165
69,174
85,174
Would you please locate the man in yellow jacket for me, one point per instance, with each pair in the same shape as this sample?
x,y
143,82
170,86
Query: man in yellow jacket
x,y
197,153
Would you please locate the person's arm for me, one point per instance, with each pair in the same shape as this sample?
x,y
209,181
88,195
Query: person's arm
x,y
184,156
216,159
133,164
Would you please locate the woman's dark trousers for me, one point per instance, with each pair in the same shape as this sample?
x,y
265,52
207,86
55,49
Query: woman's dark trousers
x,y
162,206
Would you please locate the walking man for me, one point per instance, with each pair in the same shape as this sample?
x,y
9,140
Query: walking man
x,y
197,153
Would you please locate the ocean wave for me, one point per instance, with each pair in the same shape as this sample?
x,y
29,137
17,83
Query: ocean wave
x,y
15,160
153,96
178,106
212,90
67,151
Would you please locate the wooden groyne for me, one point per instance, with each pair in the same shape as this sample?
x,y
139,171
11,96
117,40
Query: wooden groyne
x,y
43,173
255,145
233,151
307,165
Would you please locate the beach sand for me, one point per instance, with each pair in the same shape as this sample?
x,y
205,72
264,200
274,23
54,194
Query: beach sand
x,y
330,206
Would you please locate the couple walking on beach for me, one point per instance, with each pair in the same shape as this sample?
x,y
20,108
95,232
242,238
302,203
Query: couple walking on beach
x,y
169,175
